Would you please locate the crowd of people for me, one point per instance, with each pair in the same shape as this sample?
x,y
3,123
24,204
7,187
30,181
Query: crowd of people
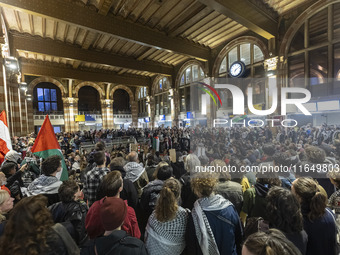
x,y
121,201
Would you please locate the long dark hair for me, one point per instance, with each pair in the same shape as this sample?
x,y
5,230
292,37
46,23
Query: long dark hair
x,y
27,227
283,210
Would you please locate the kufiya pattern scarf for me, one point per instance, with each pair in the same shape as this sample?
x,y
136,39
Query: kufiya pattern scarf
x,y
204,234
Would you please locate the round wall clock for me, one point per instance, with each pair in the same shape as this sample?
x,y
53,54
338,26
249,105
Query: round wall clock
x,y
237,69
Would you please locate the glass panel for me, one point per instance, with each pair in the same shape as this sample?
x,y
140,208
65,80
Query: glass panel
x,y
144,91
318,67
40,93
187,99
318,27
245,53
53,95
182,100
195,72
202,73
160,84
258,55
337,61
232,56
297,71
188,77
41,107
47,107
54,107
223,66
336,23
298,40
182,80
259,71
47,94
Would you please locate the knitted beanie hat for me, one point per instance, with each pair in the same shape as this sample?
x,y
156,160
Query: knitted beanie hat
x,y
112,213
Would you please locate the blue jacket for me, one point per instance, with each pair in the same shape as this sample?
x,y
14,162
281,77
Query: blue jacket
x,y
321,234
227,230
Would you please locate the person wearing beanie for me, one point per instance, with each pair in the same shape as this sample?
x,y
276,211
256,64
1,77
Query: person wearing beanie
x,y
112,214
111,186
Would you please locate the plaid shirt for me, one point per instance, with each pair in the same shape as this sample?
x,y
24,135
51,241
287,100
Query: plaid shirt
x,y
93,179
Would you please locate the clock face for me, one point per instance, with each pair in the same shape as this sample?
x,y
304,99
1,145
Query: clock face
x,y
236,69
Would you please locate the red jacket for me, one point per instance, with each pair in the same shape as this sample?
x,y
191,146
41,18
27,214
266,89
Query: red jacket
x,y
94,226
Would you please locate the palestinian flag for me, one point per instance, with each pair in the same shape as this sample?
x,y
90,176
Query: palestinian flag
x,y
46,144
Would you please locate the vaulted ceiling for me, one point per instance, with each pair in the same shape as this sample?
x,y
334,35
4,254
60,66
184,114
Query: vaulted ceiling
x,y
130,41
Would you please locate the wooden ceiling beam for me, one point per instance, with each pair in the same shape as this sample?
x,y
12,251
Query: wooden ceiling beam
x,y
44,69
260,20
71,13
58,49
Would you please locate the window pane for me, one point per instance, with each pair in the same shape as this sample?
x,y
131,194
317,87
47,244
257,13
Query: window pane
x,y
47,94
223,66
160,84
259,71
336,23
245,53
54,107
337,61
47,107
297,71
144,91
40,93
202,73
54,95
232,56
318,27
195,72
318,67
182,80
258,55
188,78
41,107
298,40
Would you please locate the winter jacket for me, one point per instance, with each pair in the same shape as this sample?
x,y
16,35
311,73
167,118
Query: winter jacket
x,y
231,191
118,242
150,195
73,214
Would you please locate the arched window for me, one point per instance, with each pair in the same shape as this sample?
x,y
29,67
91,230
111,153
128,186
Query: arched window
x,y
190,75
315,47
162,100
250,54
252,57
47,98
142,107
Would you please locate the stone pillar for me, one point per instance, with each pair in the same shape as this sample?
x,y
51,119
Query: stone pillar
x,y
107,113
175,107
14,106
70,110
134,110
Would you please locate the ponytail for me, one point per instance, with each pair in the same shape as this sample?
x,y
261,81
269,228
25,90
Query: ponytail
x,y
166,207
317,206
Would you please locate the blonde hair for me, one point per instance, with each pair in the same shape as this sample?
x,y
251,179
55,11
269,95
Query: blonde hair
x,y
166,207
3,198
203,184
